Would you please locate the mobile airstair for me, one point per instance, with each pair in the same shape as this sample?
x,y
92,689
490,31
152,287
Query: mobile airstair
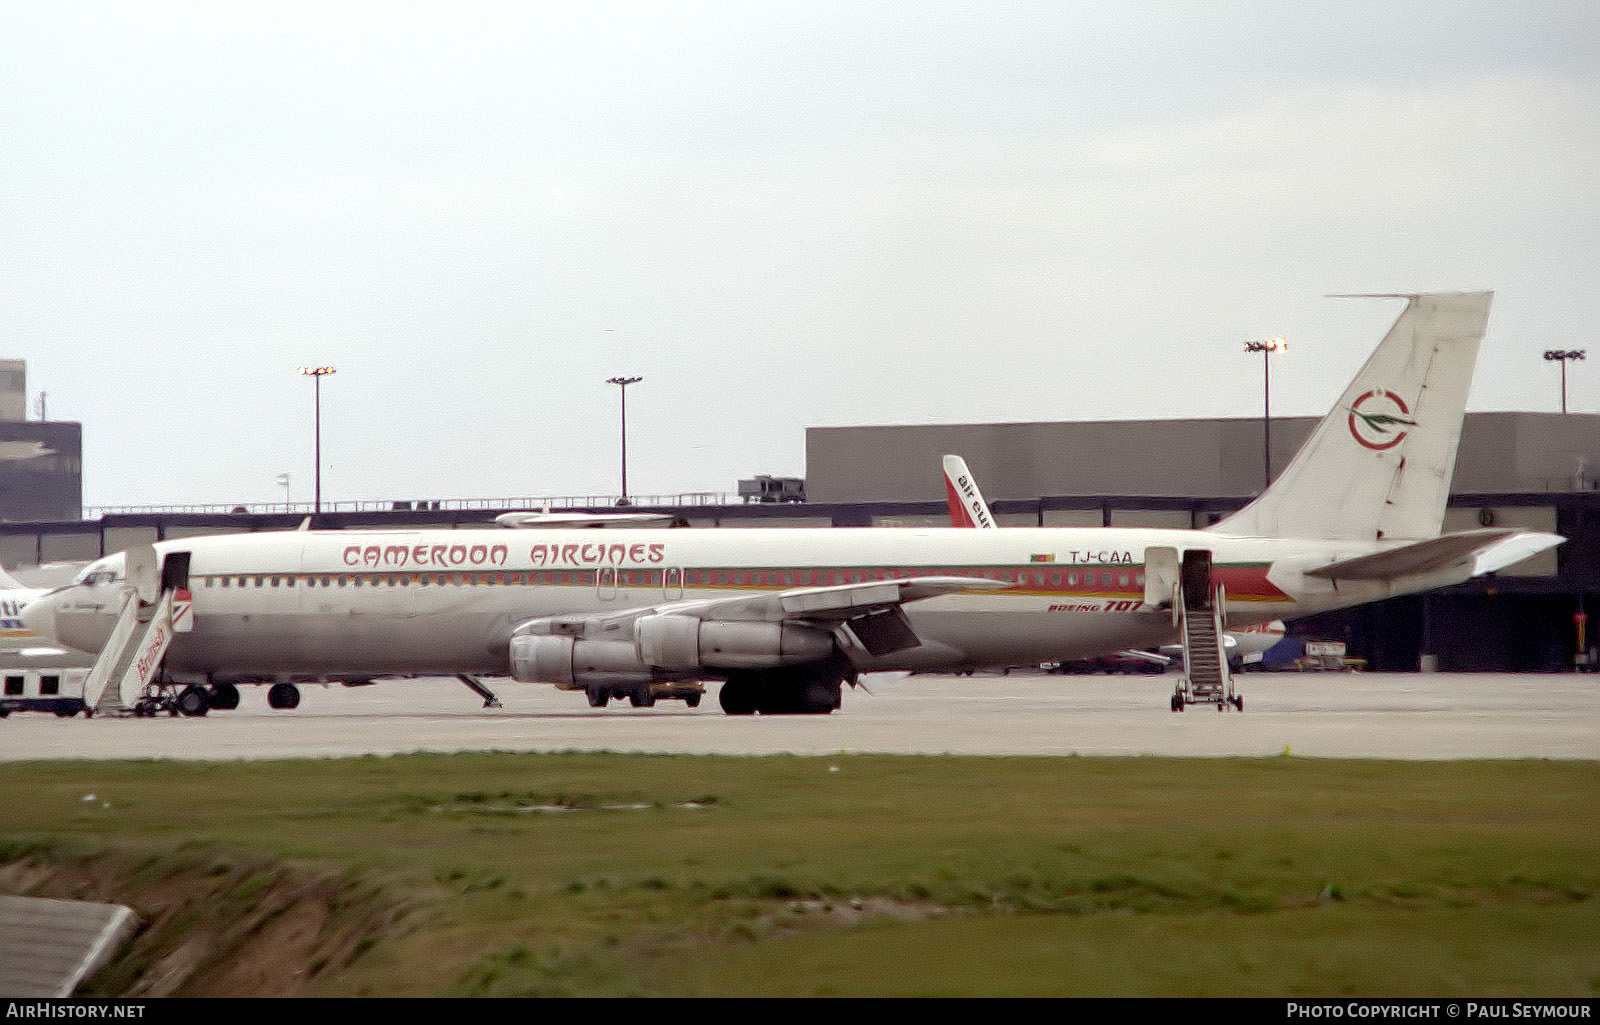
x,y
1199,610
155,607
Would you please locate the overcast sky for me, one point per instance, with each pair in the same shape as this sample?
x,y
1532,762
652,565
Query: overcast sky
x,y
781,214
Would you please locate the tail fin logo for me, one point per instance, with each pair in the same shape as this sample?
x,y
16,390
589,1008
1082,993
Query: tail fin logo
x,y
1378,420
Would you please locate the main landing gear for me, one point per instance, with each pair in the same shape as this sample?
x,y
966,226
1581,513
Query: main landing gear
x,y
790,691
193,700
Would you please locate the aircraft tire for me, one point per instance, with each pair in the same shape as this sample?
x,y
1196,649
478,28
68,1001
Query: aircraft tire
x,y
739,694
283,695
598,696
821,697
780,694
642,696
193,701
798,693
224,697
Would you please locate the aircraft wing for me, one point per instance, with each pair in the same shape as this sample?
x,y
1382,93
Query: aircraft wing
x,y
839,602
871,609
561,520
1491,548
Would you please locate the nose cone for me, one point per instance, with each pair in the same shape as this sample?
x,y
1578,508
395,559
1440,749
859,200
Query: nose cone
x,y
39,616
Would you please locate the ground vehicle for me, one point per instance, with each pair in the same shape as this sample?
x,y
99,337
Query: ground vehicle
x,y
764,487
647,694
43,690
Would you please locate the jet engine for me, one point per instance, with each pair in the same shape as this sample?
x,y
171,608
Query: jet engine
x,y
684,642
573,664
664,647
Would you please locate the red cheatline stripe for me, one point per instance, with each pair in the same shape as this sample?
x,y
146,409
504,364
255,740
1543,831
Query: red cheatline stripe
x,y
1243,583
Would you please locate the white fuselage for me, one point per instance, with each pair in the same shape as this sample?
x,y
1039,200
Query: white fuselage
x,y
21,645
445,601
330,603
13,632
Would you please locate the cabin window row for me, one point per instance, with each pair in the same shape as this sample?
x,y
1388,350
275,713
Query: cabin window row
x,y
658,578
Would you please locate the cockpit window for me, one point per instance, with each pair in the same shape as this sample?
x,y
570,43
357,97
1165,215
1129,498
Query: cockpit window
x,y
96,575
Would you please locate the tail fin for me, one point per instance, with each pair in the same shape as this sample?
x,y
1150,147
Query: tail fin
x,y
9,582
1379,464
967,507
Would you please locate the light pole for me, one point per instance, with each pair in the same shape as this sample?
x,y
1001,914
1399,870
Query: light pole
x,y
1562,356
318,373
1266,347
283,482
622,383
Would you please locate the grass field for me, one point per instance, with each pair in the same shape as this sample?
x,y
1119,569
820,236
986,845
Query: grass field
x,y
595,874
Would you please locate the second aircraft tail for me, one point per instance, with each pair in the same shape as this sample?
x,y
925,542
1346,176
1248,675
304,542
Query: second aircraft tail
x,y
967,507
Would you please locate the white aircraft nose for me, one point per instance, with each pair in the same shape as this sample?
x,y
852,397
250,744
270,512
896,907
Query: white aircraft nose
x,y
39,616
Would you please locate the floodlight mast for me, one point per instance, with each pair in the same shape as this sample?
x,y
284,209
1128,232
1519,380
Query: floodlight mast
x,y
1267,346
1563,356
622,384
317,374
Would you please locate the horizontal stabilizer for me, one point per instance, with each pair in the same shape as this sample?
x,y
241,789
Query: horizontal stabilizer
x,y
1514,549
1492,547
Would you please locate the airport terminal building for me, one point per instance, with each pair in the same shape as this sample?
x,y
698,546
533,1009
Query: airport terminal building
x,y
41,463
1537,471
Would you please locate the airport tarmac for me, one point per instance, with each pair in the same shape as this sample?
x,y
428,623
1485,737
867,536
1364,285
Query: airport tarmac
x,y
1323,715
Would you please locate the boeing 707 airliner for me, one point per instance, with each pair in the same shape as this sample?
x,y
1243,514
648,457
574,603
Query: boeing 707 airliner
x,y
786,617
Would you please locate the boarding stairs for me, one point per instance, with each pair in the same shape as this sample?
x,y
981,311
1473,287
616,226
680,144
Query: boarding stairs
x,y
1199,607
123,678
126,667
